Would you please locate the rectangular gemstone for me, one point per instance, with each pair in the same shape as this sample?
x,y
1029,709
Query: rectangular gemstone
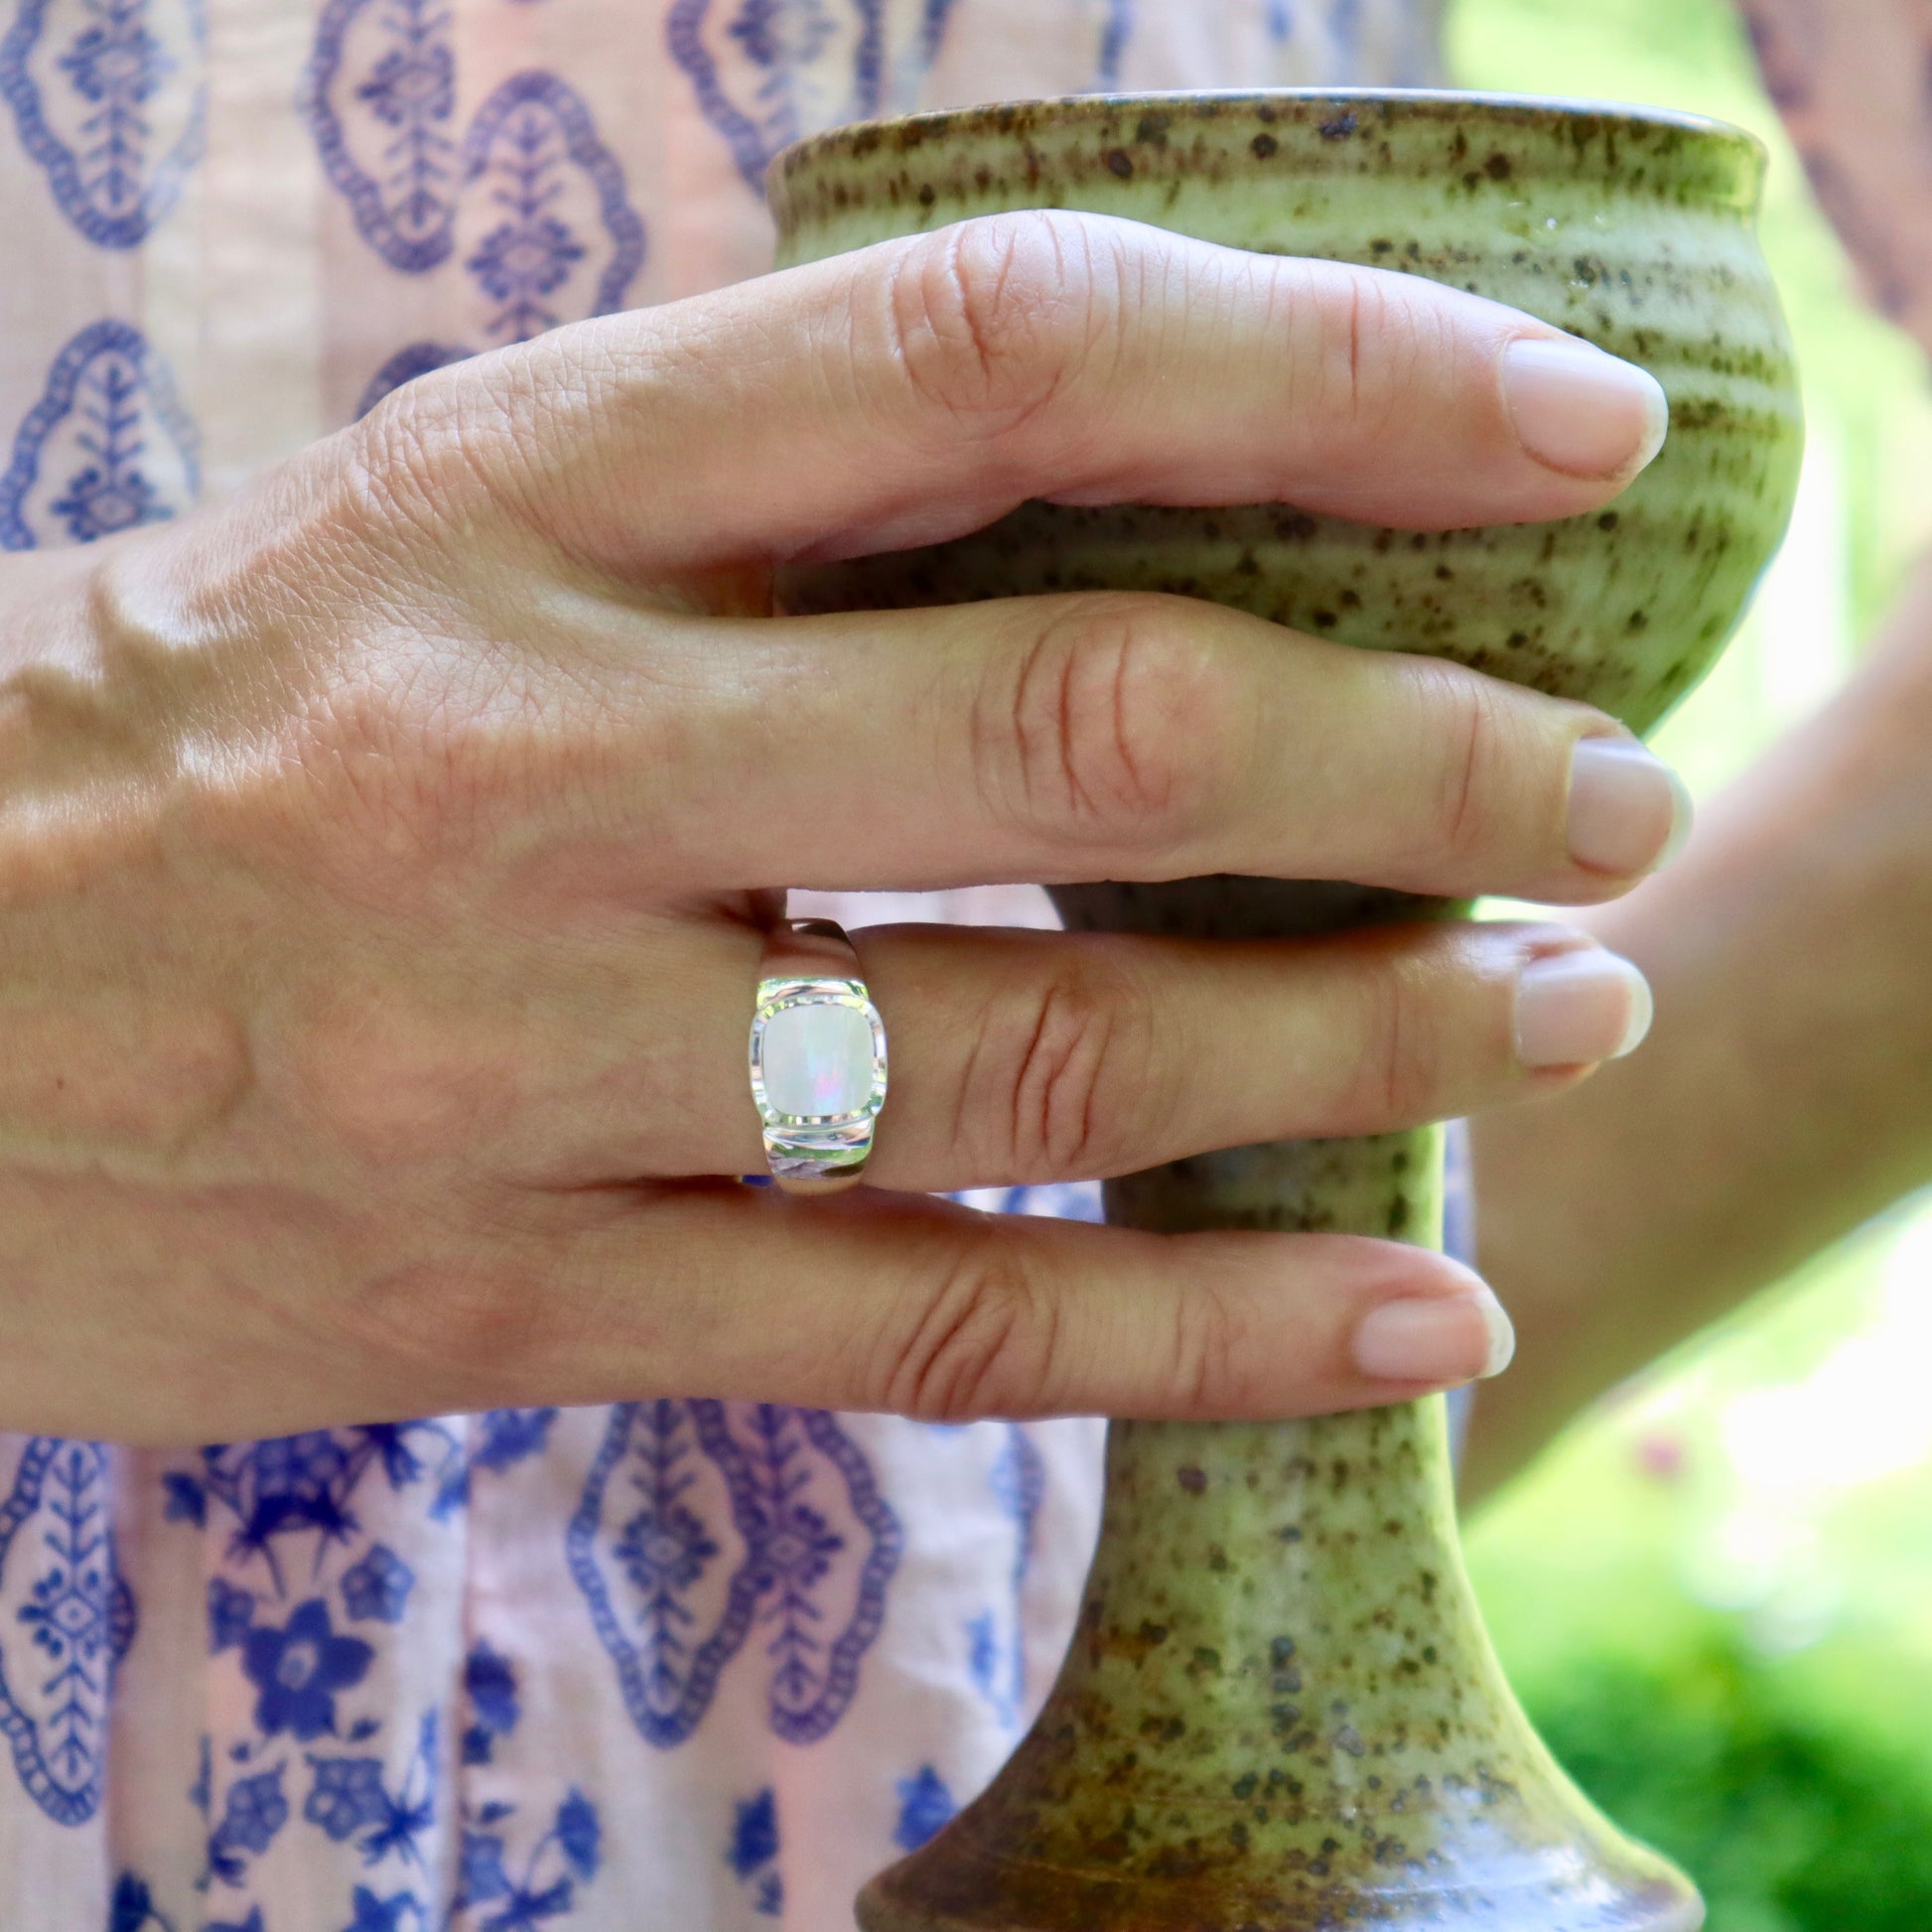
x,y
817,1060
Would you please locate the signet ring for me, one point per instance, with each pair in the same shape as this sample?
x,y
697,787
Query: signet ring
x,y
817,1058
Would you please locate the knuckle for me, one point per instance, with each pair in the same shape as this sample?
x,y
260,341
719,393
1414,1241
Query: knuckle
x,y
1400,1070
1077,1060
1369,348
398,1084
459,446
1466,799
416,457
988,319
1115,723
1214,1349
393,773
983,1341
445,1329
1376,345
421,752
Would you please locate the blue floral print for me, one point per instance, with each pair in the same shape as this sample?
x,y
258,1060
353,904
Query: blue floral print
x,y
794,1496
544,1885
349,1795
132,1907
924,1805
490,1682
752,1853
299,1668
413,85
401,1911
380,94
256,1810
119,64
765,71
377,1590
231,1614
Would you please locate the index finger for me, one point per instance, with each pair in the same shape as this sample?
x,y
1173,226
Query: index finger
x,y
911,391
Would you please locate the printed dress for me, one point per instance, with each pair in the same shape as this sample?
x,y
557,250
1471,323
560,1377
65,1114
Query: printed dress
x,y
682,1664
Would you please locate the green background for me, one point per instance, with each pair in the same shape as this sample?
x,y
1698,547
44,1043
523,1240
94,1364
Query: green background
x,y
1715,1592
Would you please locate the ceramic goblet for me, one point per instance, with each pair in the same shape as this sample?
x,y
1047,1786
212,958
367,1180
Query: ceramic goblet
x,y
1279,1711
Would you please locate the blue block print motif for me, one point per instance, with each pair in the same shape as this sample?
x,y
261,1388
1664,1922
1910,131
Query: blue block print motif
x,y
766,72
66,1618
401,1911
550,232
490,1682
132,1907
110,97
297,1669
379,96
560,240
256,1809
377,1587
107,446
291,1498
703,1523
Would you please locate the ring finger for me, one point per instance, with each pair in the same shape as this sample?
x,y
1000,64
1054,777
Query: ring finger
x,y
1024,1057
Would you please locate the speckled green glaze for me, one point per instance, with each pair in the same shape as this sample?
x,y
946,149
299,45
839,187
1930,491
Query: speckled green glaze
x,y
1280,1712
1633,230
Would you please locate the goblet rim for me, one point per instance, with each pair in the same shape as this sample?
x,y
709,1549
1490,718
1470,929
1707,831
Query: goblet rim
x,y
999,116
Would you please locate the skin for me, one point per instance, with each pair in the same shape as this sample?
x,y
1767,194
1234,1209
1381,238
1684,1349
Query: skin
x,y
1791,1057
385,855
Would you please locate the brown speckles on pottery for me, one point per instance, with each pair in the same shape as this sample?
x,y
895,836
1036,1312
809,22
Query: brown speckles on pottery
x,y
1633,230
1280,1712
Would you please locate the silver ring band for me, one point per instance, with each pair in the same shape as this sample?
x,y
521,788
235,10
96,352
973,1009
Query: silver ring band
x,y
817,1058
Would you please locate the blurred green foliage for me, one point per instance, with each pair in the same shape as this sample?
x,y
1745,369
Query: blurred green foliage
x,y
1715,1594
1792,1818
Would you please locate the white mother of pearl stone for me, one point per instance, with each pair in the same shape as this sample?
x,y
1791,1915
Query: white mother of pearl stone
x,y
817,1059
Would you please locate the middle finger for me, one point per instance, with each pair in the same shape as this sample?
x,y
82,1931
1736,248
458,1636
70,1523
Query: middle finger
x,y
1108,735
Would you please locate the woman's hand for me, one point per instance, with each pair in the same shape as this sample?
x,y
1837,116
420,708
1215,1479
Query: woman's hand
x,y
384,858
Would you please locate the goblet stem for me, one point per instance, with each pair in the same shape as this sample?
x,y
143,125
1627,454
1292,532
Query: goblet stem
x,y
1279,1710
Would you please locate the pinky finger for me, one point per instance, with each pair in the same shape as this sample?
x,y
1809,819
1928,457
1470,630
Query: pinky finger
x,y
932,1310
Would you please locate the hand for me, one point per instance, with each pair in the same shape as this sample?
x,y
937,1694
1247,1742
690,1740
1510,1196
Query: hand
x,y
384,858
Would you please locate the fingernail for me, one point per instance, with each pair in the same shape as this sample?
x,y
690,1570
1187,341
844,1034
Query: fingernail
x,y
1575,1008
1436,1338
1581,411
1629,812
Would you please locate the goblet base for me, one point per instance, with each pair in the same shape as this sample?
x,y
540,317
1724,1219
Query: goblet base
x,y
1278,1711
961,1892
